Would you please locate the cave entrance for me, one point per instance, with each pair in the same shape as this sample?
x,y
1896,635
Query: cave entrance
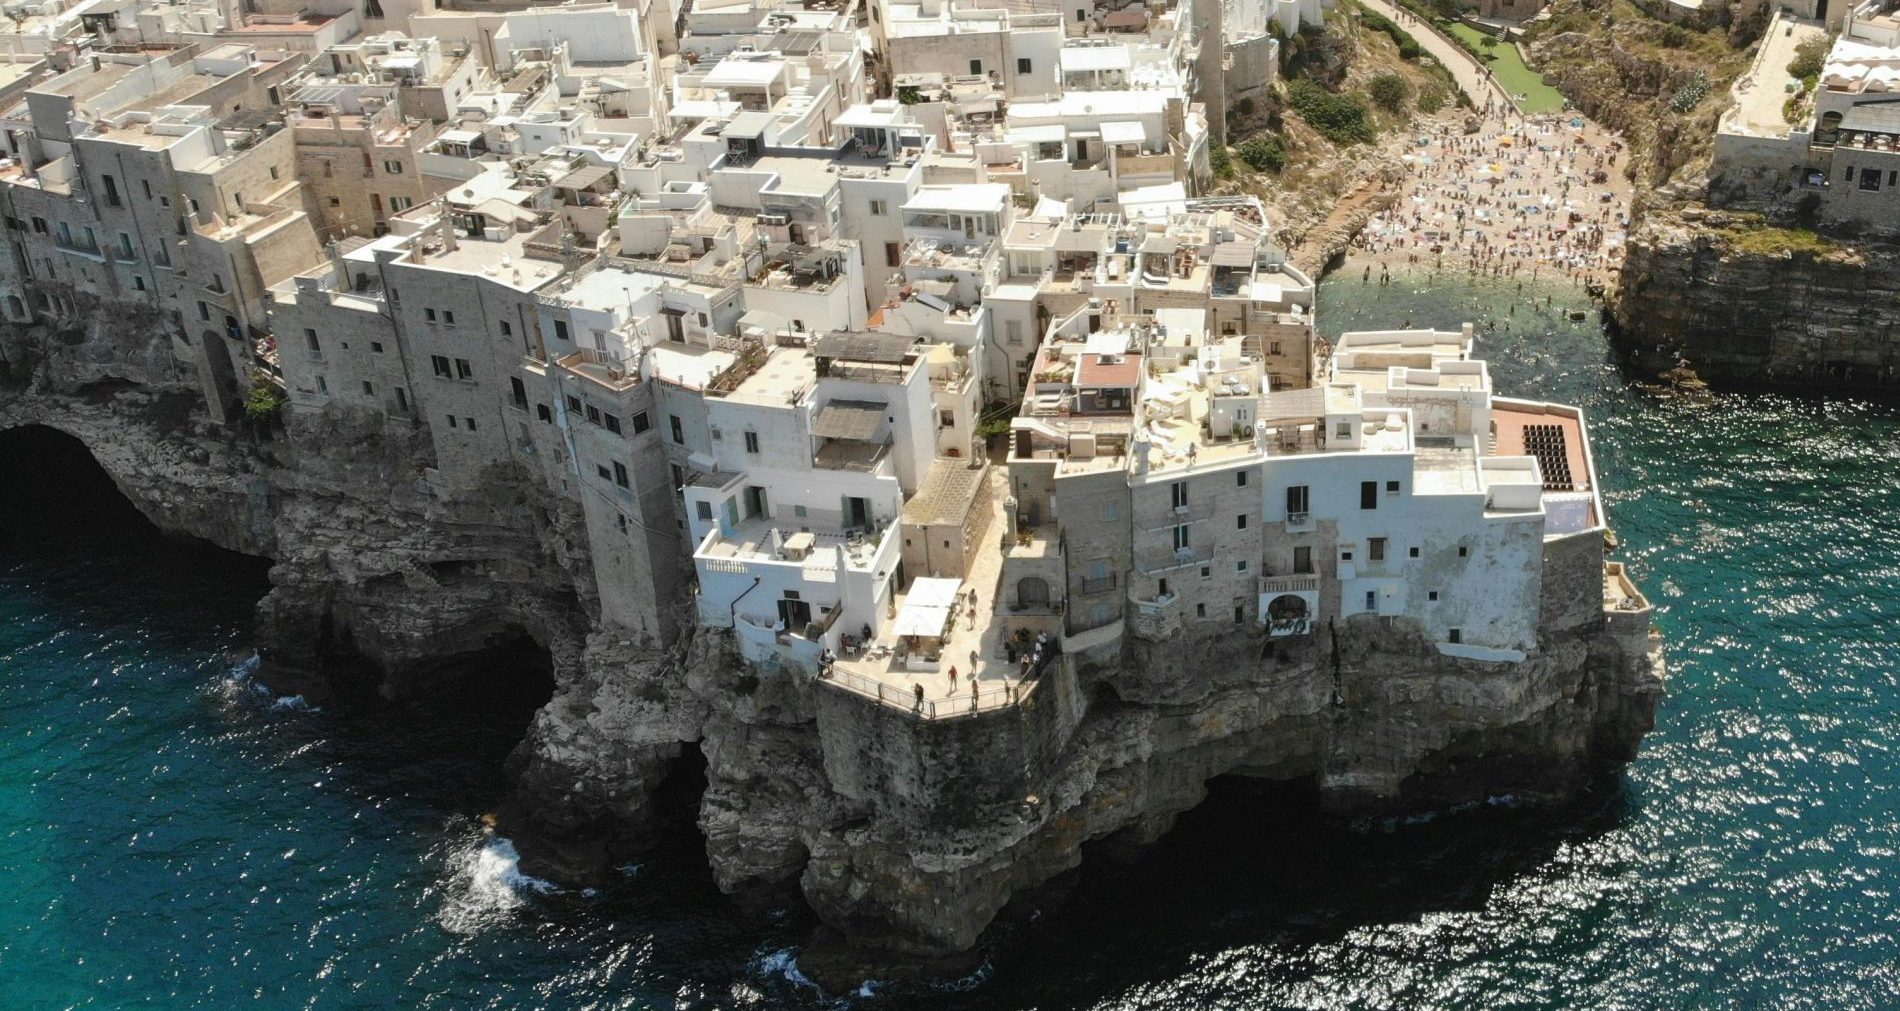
x,y
58,503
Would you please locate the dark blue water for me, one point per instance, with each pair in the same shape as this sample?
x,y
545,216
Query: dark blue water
x,y
174,839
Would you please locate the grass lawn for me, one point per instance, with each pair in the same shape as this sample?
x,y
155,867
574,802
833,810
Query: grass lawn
x,y
1511,72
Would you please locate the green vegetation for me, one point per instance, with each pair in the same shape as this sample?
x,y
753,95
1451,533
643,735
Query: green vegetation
x,y
1264,153
1221,162
1390,92
1508,65
1768,240
1691,94
265,398
1409,49
1431,98
1341,119
994,419
1809,57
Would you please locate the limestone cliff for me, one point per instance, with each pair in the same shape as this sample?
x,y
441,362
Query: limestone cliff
x,y
1760,306
905,835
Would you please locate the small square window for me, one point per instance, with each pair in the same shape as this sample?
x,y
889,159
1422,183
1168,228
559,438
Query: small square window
x,y
429,314
1412,552
1463,551
1207,571
1391,487
1240,479
376,347
1431,595
1240,566
1456,635
1240,522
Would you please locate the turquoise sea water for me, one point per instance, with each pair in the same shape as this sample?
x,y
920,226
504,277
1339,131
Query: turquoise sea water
x,y
170,837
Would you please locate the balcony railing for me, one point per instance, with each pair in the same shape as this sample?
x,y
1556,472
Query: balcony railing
x,y
1305,583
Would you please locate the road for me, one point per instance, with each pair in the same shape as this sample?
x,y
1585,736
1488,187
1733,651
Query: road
x,y
1479,85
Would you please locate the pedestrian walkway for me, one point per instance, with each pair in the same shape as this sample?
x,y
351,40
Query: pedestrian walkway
x,y
1478,84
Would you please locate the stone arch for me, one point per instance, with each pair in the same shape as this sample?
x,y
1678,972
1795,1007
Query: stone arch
x,y
1032,591
1287,607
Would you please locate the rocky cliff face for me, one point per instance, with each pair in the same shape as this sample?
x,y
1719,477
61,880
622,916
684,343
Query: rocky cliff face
x,y
906,836
1758,310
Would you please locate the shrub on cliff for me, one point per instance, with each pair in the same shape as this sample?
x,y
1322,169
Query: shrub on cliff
x,y
264,399
1809,57
1691,94
1391,92
1431,98
1341,119
1264,153
1409,49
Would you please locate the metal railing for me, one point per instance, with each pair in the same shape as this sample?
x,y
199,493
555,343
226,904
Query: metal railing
x,y
907,700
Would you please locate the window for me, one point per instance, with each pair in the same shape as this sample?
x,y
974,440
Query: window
x,y
1431,595
892,254
976,67
1372,600
752,442
541,411
1297,497
1181,538
402,400
1240,566
1022,65
273,171
1375,549
573,404
1178,494
146,186
125,245
1343,430
1463,551
1345,554
1207,572
1455,635
880,208
1411,552
1240,522
376,347
611,422
947,419
462,370
448,317
703,509
369,390
441,365
112,190
679,433
428,314
322,386
518,392
39,225
1240,479
1302,560
560,329
506,330
1368,494
1081,14
138,283
1111,510
1014,330
399,204
620,474
605,474
1273,347
620,521
640,423
392,166
451,421
593,414
471,423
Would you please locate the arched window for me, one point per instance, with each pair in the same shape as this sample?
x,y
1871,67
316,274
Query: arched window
x,y
1032,591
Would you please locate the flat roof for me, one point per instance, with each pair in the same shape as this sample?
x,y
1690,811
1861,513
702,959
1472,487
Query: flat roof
x,y
971,197
735,73
864,346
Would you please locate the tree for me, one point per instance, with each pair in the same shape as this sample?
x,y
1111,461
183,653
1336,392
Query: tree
x,y
1390,92
1264,153
1809,57
1431,98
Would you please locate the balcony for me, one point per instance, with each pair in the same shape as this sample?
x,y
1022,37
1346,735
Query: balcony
x,y
609,371
1303,583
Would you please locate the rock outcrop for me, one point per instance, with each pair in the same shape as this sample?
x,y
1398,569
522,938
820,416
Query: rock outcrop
x,y
1760,311
907,836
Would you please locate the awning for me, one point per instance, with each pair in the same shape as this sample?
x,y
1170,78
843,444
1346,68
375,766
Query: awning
x,y
585,178
1049,133
1233,254
916,619
1123,132
933,591
855,420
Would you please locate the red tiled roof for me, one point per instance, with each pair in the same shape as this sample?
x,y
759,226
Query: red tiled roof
x,y
1108,370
